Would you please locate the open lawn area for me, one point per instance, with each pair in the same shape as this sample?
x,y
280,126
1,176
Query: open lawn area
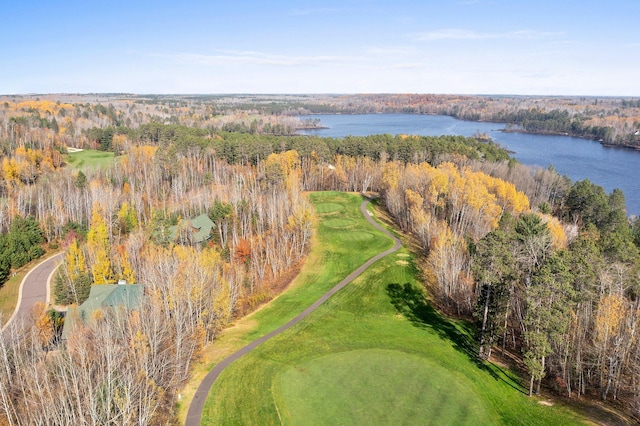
x,y
90,158
375,353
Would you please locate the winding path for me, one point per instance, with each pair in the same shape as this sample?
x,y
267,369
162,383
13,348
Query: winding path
x,y
33,289
194,415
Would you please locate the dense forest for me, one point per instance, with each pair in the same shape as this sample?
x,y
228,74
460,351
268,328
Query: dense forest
x,y
613,121
547,268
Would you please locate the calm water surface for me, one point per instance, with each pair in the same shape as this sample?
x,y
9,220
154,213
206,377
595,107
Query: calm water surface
x,y
577,158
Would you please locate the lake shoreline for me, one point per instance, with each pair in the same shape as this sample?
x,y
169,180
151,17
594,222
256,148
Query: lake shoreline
x,y
504,130
575,157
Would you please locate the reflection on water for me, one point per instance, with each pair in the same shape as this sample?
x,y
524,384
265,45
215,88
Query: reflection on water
x,y
577,158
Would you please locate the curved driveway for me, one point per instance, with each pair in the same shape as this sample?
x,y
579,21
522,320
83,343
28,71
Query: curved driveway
x,y
33,289
194,414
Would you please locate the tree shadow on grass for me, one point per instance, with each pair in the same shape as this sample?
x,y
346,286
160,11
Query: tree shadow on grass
x,y
411,302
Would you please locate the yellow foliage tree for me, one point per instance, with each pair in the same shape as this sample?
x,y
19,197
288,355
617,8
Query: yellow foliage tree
x,y
288,161
415,202
559,237
138,159
43,324
74,260
98,234
102,268
10,170
98,244
45,106
127,217
390,176
413,199
301,218
127,274
508,196
609,318
438,187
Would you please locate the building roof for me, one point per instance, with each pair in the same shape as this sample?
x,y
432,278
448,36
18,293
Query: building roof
x,y
100,297
201,227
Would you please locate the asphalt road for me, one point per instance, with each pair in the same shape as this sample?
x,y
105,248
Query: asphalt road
x,y
33,289
194,415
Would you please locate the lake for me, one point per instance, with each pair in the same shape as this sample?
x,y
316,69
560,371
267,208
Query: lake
x,y
574,157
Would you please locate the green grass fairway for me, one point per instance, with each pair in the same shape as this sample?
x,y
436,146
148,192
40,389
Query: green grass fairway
x,y
90,158
338,222
329,207
406,389
356,236
376,353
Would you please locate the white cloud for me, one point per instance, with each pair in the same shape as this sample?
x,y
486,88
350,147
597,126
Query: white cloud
x,y
252,58
392,50
462,34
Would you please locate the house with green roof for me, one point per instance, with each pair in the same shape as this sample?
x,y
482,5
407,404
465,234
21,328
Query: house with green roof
x,y
102,297
196,230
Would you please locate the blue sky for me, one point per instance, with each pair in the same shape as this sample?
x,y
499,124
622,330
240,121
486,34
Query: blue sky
x,y
541,47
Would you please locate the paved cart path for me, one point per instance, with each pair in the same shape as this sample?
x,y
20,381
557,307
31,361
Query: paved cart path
x,y
33,289
194,415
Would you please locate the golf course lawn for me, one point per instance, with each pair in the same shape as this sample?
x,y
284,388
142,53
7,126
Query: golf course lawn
x,y
405,389
375,353
90,158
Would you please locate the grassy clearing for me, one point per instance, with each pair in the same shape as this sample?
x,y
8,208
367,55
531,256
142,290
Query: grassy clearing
x,y
90,159
376,353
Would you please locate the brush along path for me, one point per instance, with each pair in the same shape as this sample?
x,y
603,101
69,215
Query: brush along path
x,y
194,414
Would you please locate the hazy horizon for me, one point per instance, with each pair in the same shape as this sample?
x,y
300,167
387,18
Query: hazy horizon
x,y
505,95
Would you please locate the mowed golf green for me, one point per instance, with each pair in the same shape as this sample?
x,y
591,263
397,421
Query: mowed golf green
x,y
364,386
376,353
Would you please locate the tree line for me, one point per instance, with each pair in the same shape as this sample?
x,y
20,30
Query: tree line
x,y
70,117
556,122
546,267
